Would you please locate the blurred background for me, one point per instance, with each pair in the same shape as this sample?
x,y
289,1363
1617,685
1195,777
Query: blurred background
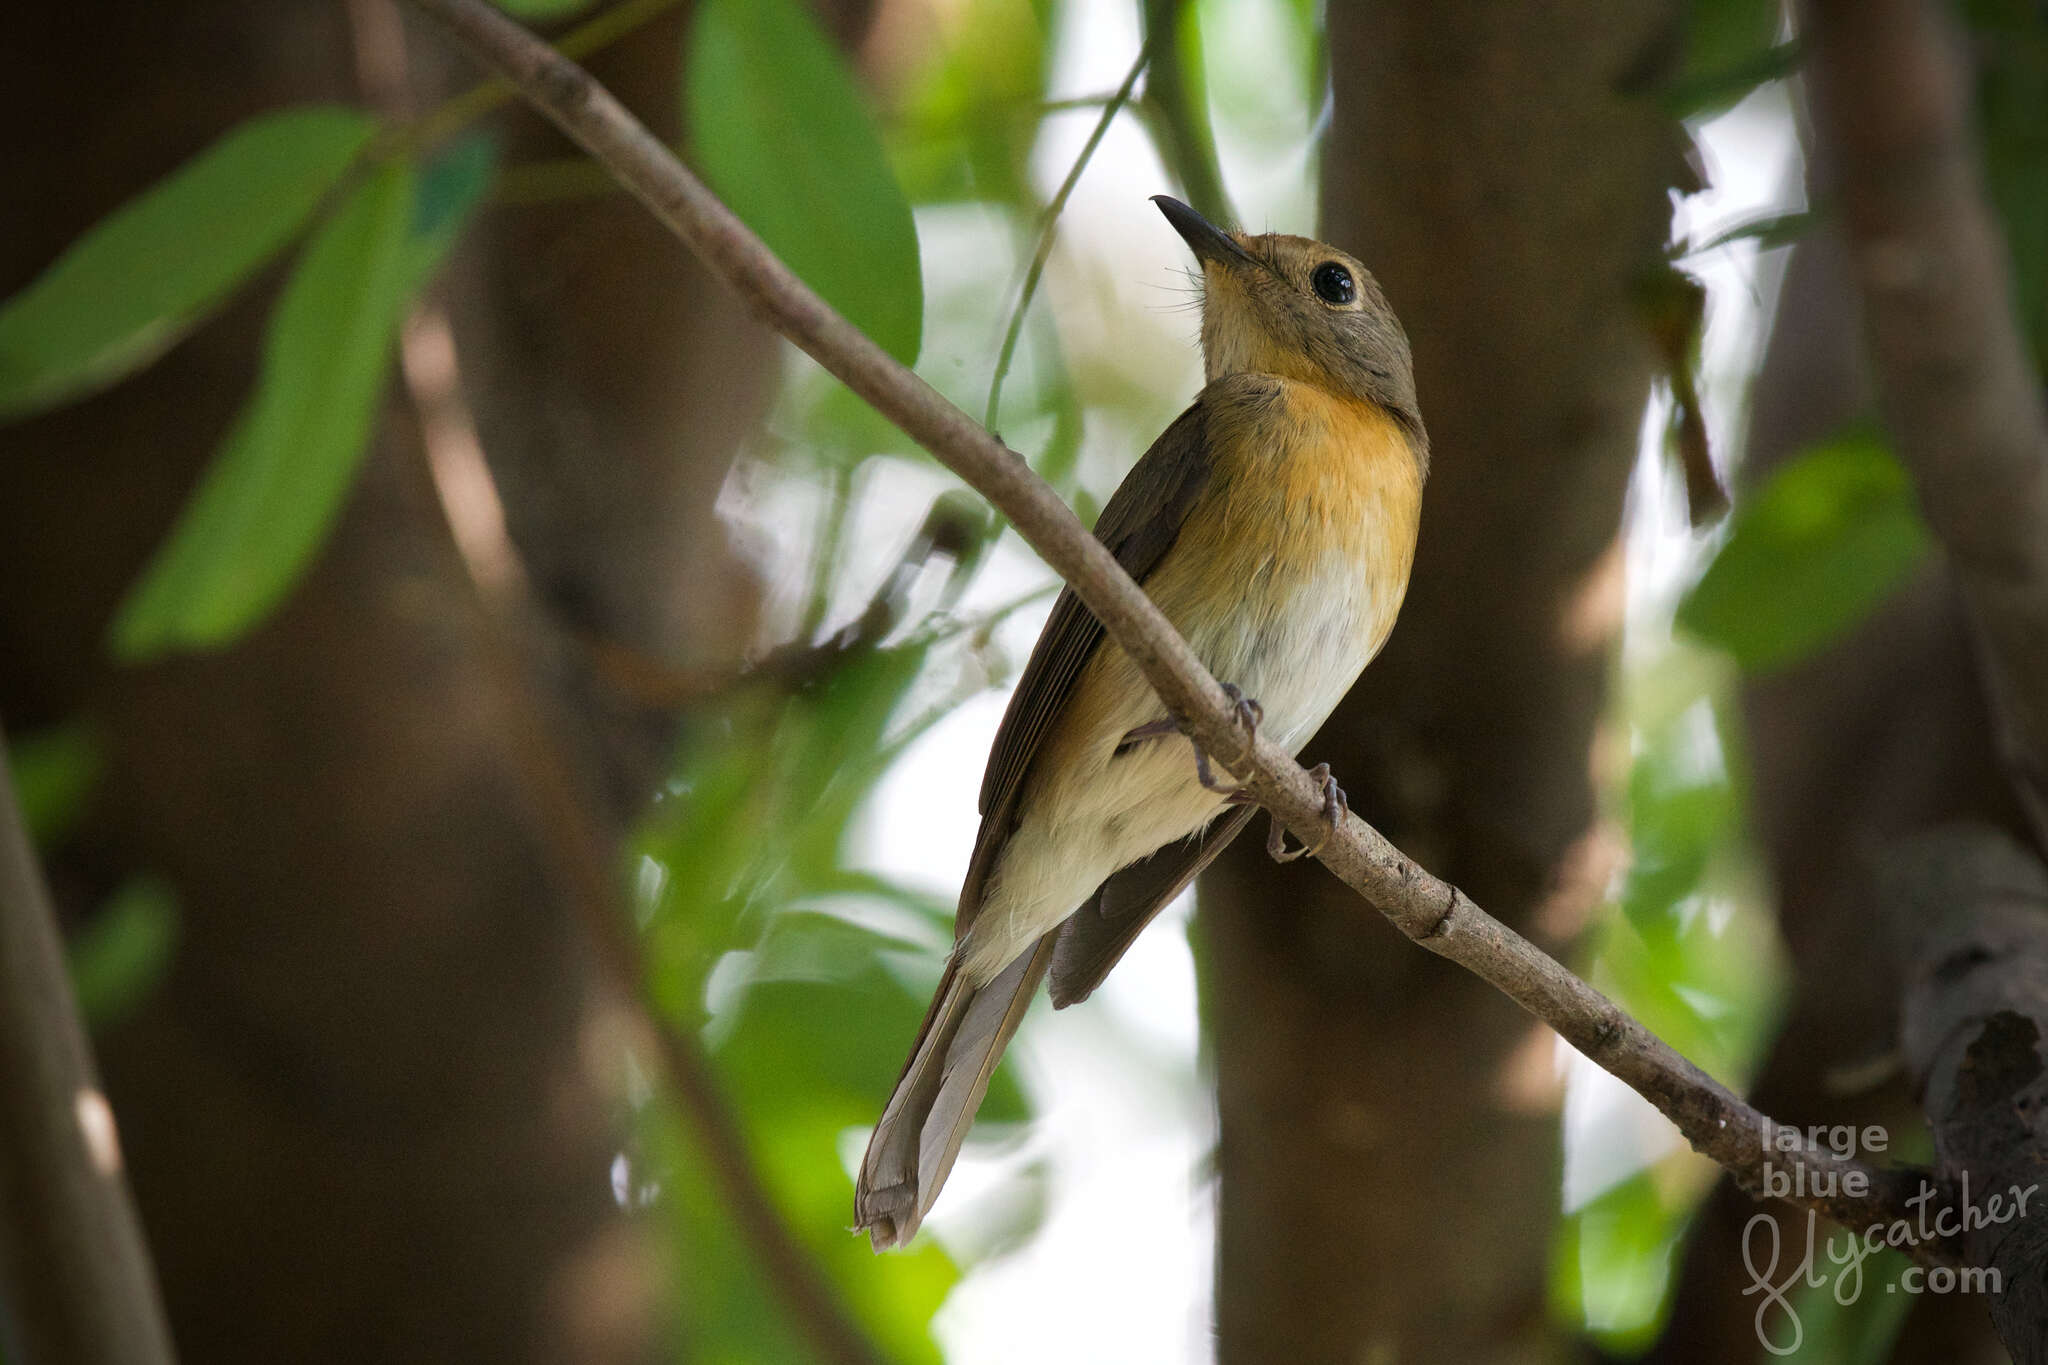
x,y
411,561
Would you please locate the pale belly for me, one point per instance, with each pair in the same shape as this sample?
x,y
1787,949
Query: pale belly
x,y
1089,811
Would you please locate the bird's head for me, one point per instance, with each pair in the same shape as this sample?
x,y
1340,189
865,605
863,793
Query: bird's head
x,y
1293,307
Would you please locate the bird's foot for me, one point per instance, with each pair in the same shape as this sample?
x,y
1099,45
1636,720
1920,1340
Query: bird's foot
x,y
1336,806
1249,715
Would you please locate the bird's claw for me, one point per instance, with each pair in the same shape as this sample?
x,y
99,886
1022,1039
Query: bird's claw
x,y
1336,806
1249,715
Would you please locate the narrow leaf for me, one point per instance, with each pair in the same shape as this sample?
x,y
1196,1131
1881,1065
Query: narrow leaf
x,y
781,131
264,505
54,771
1826,539
1775,231
451,185
542,11
124,951
144,276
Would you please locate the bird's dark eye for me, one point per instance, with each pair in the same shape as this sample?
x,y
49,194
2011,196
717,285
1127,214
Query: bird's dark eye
x,y
1333,283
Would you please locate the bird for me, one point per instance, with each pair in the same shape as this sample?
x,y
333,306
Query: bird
x,y
1274,523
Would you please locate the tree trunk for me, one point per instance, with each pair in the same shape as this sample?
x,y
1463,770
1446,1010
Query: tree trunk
x,y
370,1114
1390,1124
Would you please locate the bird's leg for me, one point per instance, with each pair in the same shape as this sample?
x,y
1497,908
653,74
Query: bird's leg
x,y
1151,729
1248,712
1335,807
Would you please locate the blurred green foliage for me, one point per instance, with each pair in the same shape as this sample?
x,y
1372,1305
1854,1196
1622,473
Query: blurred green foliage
x,y
139,280
2012,116
1730,47
782,132
287,461
807,977
124,950
965,124
1612,1263
265,504
803,973
53,770
1826,537
542,11
1684,945
124,947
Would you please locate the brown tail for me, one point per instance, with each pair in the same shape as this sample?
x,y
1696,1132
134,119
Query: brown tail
x,y
921,1128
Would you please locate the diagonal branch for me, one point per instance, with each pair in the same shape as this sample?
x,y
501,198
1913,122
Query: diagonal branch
x,y
76,1282
1433,913
1891,113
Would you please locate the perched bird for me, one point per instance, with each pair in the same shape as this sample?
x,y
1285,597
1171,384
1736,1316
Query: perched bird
x,y
1274,524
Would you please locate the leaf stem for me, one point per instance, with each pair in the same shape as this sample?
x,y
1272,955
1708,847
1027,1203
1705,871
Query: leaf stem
x,y
599,32
1047,225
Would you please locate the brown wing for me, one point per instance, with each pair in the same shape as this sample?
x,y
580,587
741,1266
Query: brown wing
x,y
1139,524
1091,939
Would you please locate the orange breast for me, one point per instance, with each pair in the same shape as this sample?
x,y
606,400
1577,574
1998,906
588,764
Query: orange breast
x,y
1290,569
1299,485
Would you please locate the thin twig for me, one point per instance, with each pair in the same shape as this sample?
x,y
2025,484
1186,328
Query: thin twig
x,y
1430,911
1048,224
1073,102
75,1273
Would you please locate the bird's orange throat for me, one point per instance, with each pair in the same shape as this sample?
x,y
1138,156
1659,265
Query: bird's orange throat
x,y
1310,478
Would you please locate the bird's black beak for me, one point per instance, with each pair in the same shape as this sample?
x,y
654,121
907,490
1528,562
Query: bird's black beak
x,y
1204,238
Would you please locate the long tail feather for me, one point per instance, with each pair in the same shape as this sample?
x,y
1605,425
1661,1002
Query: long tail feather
x,y
928,1116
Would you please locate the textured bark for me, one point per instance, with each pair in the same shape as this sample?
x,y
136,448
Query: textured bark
x,y
1970,910
1959,388
1389,1126
1880,735
364,1117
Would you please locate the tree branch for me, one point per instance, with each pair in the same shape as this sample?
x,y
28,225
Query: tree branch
x,y
1971,909
76,1284
1891,111
1426,909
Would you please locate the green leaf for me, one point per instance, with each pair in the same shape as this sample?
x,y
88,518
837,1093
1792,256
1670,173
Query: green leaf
x,y
1813,551
264,505
1611,1270
968,119
124,950
542,11
451,185
1731,48
53,771
823,1027
2010,38
144,276
783,134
